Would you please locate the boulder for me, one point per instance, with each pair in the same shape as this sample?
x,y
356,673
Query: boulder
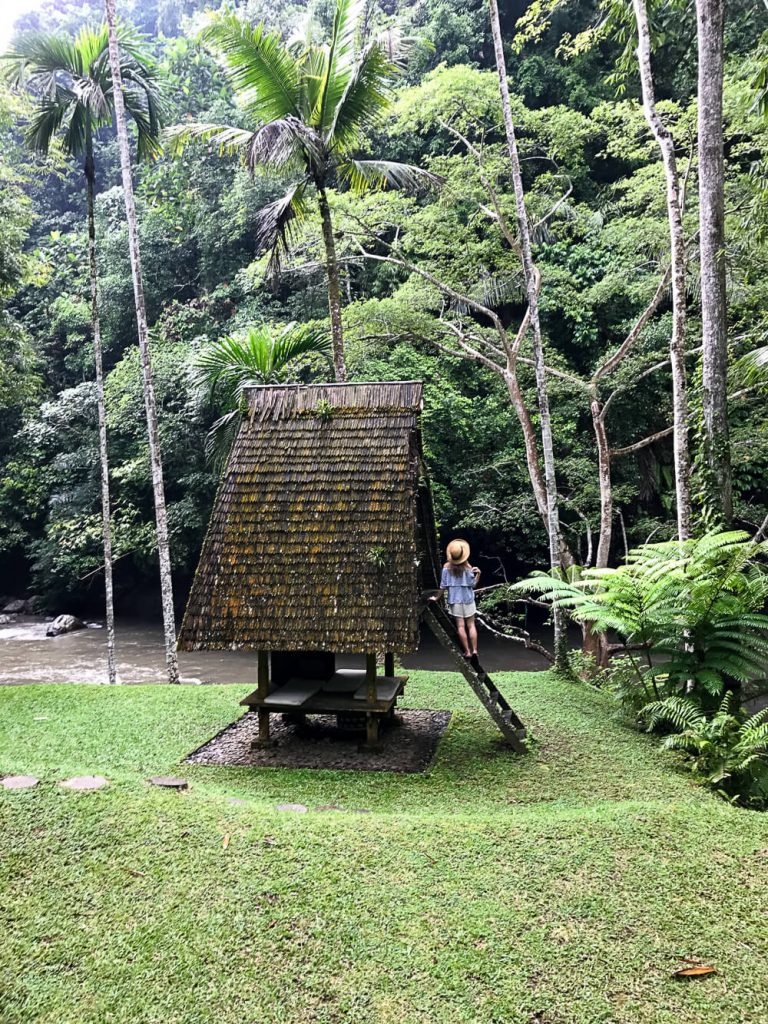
x,y
15,607
64,624
32,605
6,620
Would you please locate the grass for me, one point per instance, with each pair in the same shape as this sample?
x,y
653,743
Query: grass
x,y
554,889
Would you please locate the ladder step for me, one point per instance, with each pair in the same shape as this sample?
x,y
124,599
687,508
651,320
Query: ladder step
x,y
479,680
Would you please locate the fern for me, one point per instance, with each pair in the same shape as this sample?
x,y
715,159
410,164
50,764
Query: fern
x,y
689,614
679,712
727,753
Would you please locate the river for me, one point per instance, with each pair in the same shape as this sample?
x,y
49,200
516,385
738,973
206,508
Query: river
x,y
28,656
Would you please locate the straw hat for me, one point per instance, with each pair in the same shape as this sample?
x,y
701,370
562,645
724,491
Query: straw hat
x,y
457,551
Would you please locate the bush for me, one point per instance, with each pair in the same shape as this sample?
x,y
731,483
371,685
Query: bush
x,y
689,615
690,619
727,752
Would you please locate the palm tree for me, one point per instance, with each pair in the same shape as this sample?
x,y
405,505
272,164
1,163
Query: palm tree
x,y
311,108
122,92
225,368
71,81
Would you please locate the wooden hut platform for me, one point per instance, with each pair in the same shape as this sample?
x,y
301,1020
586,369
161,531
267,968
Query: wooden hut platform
x,y
301,697
315,547
322,541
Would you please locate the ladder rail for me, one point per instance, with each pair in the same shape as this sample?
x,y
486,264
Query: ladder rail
x,y
481,683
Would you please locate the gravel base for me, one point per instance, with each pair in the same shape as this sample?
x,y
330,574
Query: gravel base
x,y
319,743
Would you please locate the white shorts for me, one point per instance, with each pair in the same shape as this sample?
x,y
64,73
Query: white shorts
x,y
462,611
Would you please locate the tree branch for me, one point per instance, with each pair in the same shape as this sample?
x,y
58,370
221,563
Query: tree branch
x,y
666,432
521,638
612,362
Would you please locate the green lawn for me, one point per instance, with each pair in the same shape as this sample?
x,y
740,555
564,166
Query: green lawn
x,y
560,887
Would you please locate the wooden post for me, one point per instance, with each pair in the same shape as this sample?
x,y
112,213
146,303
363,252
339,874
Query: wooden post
x,y
263,692
372,731
389,664
263,726
370,677
262,676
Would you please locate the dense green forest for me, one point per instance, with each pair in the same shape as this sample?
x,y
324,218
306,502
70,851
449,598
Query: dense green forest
x,y
595,191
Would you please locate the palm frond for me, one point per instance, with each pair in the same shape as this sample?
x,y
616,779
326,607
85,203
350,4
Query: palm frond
x,y
339,63
76,129
45,123
260,66
228,139
366,95
311,63
75,75
38,54
221,437
146,110
281,142
277,222
362,175
225,368
90,94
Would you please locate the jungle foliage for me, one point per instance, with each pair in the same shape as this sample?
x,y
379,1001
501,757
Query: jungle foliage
x,y
595,193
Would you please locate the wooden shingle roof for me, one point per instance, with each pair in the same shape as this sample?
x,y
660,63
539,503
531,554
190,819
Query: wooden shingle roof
x,y
314,541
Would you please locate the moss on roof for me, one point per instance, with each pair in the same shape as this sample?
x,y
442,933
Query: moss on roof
x,y
314,541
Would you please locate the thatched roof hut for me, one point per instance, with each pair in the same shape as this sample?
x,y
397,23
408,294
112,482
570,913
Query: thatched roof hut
x,y
315,542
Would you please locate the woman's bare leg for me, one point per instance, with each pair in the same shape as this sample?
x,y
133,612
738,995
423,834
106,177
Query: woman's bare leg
x,y
472,632
462,634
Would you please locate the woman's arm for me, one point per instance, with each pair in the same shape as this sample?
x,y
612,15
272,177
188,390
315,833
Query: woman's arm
x,y
443,586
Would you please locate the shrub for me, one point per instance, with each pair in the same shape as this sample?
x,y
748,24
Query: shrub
x,y
689,615
728,752
690,618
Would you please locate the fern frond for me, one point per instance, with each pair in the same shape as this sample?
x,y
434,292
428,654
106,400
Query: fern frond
x,y
680,712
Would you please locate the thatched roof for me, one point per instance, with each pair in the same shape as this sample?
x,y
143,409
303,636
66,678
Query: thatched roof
x,y
314,539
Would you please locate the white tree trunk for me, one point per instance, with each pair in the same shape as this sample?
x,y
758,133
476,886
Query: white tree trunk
x,y
161,518
605,484
710,18
677,245
529,270
102,417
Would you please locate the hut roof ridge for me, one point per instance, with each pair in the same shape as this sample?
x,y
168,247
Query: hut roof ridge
x,y
279,401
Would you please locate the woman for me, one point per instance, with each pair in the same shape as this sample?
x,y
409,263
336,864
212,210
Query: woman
x,y
459,578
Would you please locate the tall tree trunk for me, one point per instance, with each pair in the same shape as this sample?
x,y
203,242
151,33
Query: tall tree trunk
x,y
161,517
102,416
677,245
594,643
529,270
334,287
709,18
605,485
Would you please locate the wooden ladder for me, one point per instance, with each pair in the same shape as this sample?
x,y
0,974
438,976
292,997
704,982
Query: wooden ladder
x,y
485,690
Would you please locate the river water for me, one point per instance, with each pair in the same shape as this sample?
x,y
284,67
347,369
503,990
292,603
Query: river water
x,y
28,656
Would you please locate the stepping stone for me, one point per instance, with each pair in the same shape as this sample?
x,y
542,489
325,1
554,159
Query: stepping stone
x,y
84,782
298,808
169,782
329,807
19,782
